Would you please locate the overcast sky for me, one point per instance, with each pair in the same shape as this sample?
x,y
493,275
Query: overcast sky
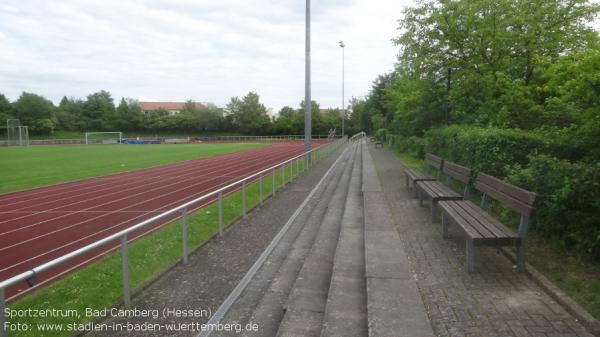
x,y
204,50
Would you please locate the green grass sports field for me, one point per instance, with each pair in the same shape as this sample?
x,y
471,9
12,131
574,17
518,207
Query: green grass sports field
x,y
27,167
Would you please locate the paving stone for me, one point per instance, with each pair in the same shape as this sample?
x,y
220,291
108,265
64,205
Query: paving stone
x,y
493,301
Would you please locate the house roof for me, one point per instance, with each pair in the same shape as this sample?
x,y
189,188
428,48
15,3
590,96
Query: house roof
x,y
150,106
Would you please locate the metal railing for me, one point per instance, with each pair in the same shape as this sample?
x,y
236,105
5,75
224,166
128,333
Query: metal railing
x,y
182,211
273,138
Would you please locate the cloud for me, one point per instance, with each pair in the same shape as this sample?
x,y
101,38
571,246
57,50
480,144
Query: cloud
x,y
203,50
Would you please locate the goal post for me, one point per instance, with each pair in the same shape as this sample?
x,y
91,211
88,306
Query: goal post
x,y
14,134
113,137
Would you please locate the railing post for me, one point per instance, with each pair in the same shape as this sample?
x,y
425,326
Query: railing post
x,y
184,234
3,332
125,271
221,213
244,198
291,171
260,189
297,167
273,185
282,175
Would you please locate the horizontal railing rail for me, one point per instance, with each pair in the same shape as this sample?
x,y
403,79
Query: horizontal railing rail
x,y
182,212
81,141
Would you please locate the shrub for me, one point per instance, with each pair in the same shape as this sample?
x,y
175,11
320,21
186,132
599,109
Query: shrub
x,y
491,150
413,145
382,134
568,204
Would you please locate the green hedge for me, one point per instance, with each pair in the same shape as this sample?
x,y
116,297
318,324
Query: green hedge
x,y
568,191
413,145
569,200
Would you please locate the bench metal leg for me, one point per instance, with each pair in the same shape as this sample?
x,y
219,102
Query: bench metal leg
x,y
444,226
420,195
521,258
523,226
433,211
407,182
470,265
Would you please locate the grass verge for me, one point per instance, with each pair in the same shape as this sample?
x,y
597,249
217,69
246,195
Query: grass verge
x,y
577,277
28,167
99,285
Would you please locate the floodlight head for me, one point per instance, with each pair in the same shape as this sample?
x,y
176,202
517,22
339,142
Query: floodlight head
x,y
342,44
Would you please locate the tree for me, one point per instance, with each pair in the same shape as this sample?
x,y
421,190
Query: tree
x,y
210,118
489,52
30,108
287,111
378,99
360,117
332,119
99,108
316,120
129,115
6,109
190,107
249,115
69,115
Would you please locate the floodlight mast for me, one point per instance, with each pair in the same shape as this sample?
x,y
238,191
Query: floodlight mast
x,y
343,85
307,99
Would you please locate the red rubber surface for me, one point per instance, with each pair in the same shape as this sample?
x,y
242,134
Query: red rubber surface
x,y
39,225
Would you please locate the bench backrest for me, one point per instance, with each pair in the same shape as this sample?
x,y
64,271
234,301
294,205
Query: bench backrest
x,y
516,198
434,161
457,172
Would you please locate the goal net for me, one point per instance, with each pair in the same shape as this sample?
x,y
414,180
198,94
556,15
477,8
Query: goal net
x,y
14,134
103,137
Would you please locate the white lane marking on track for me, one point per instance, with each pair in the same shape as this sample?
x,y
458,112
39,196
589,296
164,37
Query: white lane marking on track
x,y
248,173
142,192
116,180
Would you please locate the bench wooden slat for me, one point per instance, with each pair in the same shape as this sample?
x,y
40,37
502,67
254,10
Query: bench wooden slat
x,y
516,192
434,161
468,219
517,205
458,172
503,235
473,209
417,175
469,231
488,233
437,190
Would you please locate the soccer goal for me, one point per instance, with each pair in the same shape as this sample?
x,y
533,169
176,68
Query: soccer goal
x,y
14,134
103,137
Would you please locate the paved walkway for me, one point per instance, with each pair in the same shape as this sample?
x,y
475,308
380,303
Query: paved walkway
x,y
493,301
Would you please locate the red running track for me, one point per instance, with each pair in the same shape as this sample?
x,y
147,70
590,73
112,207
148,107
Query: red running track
x,y
39,225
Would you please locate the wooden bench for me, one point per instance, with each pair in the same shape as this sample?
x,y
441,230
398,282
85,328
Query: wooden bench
x,y
437,191
413,176
379,143
480,227
372,139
